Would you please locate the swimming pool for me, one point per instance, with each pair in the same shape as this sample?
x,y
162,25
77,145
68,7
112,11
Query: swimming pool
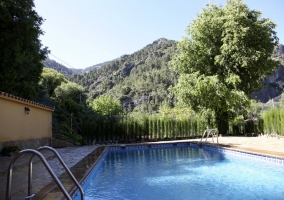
x,y
183,172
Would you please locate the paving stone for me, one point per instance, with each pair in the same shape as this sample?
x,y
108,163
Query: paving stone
x,y
41,177
74,155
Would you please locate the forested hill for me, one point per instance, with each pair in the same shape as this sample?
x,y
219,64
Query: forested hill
x,y
61,68
139,80
94,67
67,72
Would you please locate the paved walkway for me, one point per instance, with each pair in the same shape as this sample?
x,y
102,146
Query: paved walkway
x,y
72,155
269,146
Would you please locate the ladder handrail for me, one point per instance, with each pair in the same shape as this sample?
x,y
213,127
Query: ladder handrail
x,y
213,132
64,165
45,163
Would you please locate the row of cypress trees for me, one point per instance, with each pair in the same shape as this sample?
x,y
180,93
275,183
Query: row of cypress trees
x,y
274,121
155,127
144,128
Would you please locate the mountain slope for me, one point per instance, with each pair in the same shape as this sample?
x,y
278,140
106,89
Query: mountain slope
x,y
67,72
94,67
140,79
61,68
272,86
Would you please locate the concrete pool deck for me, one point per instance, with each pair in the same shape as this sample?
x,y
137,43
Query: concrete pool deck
x,y
268,146
80,160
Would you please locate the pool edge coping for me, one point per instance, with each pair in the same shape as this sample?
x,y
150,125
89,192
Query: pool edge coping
x,y
209,146
75,189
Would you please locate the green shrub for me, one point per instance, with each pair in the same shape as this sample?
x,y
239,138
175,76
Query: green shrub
x,y
8,150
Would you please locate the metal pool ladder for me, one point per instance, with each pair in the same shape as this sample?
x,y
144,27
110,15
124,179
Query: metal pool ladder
x,y
47,166
212,132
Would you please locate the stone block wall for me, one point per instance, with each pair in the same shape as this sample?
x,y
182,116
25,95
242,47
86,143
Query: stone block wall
x,y
27,144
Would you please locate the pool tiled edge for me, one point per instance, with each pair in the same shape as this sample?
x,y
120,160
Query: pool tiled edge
x,y
261,156
269,158
275,159
88,163
80,170
83,168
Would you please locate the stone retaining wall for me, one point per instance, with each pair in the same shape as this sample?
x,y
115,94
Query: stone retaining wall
x,y
26,144
60,143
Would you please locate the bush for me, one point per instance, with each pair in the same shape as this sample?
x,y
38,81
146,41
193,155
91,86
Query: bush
x,y
8,150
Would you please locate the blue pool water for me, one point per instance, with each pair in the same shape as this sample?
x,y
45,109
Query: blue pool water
x,y
183,173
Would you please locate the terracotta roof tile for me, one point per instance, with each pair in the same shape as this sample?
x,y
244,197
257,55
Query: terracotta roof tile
x,y
25,100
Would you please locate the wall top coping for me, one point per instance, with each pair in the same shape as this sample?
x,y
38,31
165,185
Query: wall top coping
x,y
11,97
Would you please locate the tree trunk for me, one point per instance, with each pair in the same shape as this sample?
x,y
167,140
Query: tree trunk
x,y
222,121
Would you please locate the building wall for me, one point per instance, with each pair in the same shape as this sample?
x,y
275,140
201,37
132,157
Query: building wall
x,y
22,129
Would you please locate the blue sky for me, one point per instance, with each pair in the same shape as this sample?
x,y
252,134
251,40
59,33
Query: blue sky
x,y
87,32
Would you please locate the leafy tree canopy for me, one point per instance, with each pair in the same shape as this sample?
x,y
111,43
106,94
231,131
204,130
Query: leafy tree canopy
x,y
139,78
69,90
106,105
224,58
50,80
21,52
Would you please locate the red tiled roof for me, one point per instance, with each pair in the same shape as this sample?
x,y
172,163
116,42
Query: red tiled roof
x,y
32,103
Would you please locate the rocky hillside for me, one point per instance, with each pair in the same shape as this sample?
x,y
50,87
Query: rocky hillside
x,y
273,86
94,67
141,80
67,72
279,53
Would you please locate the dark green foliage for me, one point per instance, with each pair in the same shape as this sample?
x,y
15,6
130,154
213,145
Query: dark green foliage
x,y
144,128
139,80
222,119
250,127
21,52
66,121
88,128
224,59
260,127
107,106
8,150
273,121
71,110
50,80
67,72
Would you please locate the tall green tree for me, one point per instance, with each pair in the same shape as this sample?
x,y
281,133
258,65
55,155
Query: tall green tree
x,y
50,80
106,105
70,109
69,90
224,58
21,51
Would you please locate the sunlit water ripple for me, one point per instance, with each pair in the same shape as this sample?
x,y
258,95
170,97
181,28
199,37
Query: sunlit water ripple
x,y
183,173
